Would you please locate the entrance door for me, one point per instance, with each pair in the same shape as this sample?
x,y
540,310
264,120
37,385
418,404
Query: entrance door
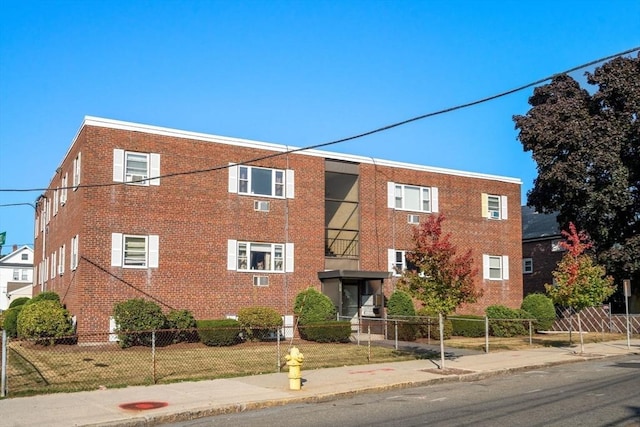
x,y
350,294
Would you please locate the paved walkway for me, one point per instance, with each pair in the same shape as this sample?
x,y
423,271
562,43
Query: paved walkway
x,y
189,400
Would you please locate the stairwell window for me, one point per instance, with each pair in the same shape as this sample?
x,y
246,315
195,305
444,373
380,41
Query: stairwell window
x,y
412,197
252,180
76,171
254,256
136,168
131,251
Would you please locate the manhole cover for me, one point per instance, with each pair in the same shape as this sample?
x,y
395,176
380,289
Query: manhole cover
x,y
143,406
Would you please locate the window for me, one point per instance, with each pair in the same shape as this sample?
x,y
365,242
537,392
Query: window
x,y
399,263
74,253
527,266
412,198
16,274
24,257
261,181
413,219
76,172
61,260
56,201
495,267
54,265
135,168
24,275
130,251
556,246
494,207
63,189
252,256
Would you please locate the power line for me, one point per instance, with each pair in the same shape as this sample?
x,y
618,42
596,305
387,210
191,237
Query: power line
x,y
350,138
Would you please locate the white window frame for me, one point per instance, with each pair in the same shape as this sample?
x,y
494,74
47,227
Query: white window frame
x,y
556,246
24,274
63,189
503,269
76,171
16,274
74,253
119,251
280,257
398,262
61,260
54,265
237,178
396,197
56,201
527,265
499,213
151,175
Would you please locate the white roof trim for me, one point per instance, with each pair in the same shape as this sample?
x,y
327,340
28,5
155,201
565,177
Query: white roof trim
x,y
157,130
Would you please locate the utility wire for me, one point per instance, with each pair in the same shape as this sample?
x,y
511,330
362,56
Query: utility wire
x,y
350,138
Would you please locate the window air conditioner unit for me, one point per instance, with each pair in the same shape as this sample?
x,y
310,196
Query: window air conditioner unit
x,y
136,179
260,280
261,205
413,219
494,214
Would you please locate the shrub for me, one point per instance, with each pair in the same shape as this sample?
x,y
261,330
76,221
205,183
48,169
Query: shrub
x,y
218,333
430,326
468,326
259,323
312,306
329,331
45,321
400,306
182,322
503,321
44,296
135,318
10,322
19,302
541,308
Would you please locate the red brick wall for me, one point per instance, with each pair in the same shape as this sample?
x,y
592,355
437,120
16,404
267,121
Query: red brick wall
x,y
194,215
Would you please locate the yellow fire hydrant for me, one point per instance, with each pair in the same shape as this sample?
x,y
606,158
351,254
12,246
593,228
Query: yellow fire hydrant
x,y
294,362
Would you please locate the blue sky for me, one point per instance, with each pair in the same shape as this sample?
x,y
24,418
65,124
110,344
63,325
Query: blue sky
x,y
291,72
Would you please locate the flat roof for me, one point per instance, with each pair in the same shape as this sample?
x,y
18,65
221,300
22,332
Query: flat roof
x,y
156,130
353,274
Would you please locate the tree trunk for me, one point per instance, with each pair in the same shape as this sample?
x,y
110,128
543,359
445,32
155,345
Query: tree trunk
x,y
441,321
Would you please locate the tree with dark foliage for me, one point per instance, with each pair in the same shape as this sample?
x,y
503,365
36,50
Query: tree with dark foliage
x,y
586,144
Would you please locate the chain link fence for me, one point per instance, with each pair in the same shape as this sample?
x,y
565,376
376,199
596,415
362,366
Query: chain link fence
x,y
95,361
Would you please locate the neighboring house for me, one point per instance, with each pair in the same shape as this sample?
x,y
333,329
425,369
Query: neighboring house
x,y
192,221
541,250
16,275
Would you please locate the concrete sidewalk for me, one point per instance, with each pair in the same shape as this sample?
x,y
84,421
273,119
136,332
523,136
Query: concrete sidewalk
x,y
152,405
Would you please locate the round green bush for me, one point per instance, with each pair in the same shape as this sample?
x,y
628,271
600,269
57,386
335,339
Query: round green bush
x,y
541,308
18,302
135,319
329,331
218,333
45,320
10,322
259,323
182,324
44,296
312,306
400,306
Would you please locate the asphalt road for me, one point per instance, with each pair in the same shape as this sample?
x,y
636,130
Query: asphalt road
x,y
592,393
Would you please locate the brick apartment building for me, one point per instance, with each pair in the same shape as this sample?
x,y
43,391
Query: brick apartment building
x,y
196,221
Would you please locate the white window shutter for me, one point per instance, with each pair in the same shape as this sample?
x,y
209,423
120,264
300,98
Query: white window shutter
x,y
391,195
503,206
288,253
434,200
290,187
485,266
233,178
505,267
391,258
485,205
232,254
118,165
79,168
154,251
154,169
116,250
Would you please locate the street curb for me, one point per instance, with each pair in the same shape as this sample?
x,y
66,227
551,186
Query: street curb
x,y
192,414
